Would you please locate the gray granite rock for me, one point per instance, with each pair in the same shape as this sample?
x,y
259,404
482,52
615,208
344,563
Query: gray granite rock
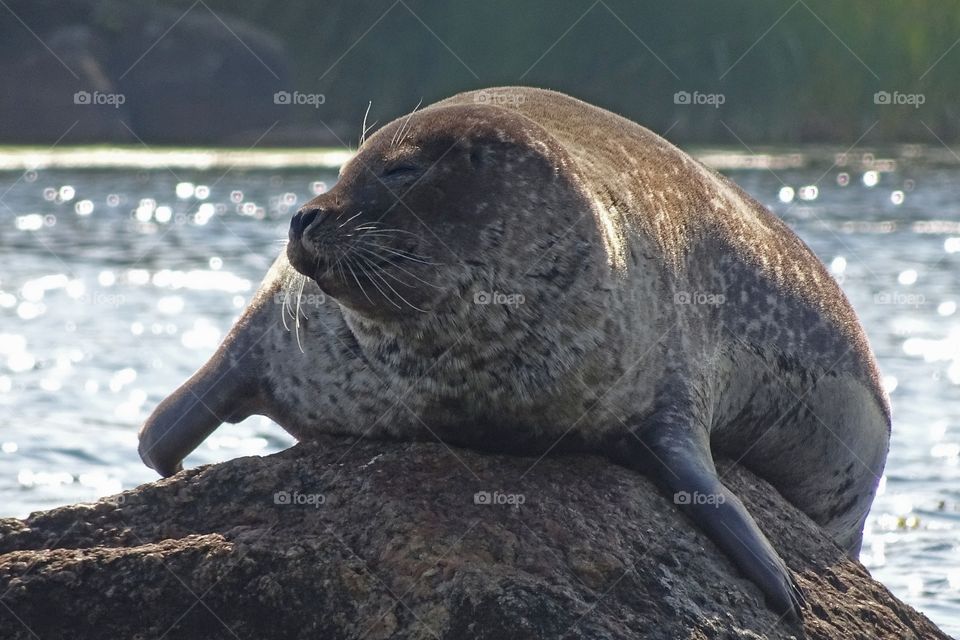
x,y
342,539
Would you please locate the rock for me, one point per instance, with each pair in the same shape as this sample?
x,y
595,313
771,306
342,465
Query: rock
x,y
350,539
48,94
108,71
207,78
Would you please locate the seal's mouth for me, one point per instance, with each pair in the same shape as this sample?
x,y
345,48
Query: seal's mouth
x,y
353,270
332,276
366,264
301,260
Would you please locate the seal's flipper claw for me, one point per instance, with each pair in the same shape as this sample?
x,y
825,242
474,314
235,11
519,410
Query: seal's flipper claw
x,y
781,591
679,459
799,602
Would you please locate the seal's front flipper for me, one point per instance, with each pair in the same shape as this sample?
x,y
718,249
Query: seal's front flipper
x,y
219,392
681,462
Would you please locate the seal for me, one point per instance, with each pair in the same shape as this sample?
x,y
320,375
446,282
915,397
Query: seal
x,y
516,270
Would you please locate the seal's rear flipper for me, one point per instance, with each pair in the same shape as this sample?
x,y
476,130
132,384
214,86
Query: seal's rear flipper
x,y
679,459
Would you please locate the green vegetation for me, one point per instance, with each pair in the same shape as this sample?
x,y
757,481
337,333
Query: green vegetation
x,y
813,75
789,70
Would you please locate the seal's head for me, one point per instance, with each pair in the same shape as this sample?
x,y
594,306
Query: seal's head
x,y
434,212
459,219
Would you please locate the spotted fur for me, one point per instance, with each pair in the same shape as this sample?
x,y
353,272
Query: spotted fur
x,y
605,230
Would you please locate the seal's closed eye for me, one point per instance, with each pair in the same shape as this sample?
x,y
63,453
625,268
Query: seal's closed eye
x,y
400,170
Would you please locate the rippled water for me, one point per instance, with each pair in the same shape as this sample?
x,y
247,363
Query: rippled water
x,y
117,283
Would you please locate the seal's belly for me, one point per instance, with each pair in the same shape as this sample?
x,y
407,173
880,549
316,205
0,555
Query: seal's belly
x,y
568,421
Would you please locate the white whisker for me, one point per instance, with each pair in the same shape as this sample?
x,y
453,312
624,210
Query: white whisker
x,y
376,273
349,219
363,127
412,275
400,253
398,136
285,291
374,283
385,232
359,284
303,281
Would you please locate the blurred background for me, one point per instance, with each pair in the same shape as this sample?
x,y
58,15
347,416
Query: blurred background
x,y
205,72
151,157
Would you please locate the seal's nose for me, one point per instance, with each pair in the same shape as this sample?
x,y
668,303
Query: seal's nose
x,y
301,221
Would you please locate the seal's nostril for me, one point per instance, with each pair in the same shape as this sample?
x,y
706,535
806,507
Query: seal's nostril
x,y
309,217
301,221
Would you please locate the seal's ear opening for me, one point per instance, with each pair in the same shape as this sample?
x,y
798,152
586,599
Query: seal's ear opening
x,y
216,393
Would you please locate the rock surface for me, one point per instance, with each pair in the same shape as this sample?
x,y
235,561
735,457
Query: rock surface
x,y
127,72
337,539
